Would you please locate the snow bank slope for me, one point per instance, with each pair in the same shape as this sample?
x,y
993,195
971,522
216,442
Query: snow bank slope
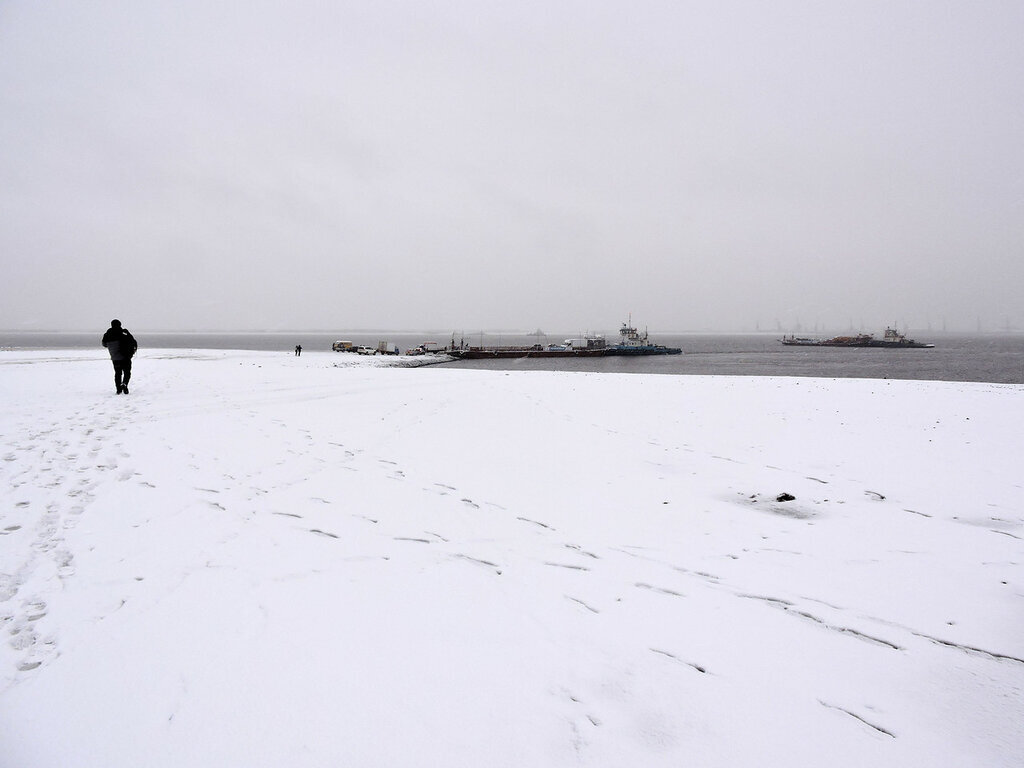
x,y
262,560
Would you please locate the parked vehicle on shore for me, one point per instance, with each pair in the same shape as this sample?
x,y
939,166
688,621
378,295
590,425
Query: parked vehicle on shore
x,y
426,348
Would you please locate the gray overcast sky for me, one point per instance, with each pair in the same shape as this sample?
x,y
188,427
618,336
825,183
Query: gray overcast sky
x,y
463,165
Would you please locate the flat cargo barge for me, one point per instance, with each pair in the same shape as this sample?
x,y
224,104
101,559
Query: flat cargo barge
x,y
489,353
893,339
631,344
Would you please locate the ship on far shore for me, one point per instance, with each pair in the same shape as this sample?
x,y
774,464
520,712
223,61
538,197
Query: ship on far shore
x,y
892,339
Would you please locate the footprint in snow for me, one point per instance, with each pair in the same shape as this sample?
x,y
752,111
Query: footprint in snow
x,y
580,602
672,656
64,566
535,522
478,561
566,565
661,590
34,610
578,548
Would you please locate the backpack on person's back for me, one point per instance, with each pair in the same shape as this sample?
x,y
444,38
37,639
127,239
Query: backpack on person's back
x,y
128,343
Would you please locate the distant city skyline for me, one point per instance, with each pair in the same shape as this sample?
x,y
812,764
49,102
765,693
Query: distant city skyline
x,y
705,166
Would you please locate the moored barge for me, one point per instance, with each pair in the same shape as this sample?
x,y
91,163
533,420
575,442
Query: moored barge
x,y
893,339
631,343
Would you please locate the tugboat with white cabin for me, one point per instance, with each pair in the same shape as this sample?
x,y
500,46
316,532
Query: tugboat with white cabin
x,y
632,342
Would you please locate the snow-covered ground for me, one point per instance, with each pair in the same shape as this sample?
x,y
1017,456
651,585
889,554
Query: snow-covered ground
x,y
262,560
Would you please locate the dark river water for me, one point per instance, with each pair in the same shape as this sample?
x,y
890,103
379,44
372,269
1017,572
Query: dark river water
x,y
956,357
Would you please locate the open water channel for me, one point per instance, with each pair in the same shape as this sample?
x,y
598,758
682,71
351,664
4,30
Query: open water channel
x,y
956,357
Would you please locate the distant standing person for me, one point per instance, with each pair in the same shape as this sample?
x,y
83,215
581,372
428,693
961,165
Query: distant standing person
x,y
121,345
298,350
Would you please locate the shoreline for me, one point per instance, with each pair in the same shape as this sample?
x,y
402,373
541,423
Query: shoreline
x,y
972,362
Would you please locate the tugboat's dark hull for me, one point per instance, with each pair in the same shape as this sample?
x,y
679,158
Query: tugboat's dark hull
x,y
908,344
504,353
628,351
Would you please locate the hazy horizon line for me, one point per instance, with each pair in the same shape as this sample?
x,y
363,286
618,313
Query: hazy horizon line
x,y
512,331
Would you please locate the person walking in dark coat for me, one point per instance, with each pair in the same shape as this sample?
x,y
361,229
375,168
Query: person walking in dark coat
x,y
298,350
121,345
